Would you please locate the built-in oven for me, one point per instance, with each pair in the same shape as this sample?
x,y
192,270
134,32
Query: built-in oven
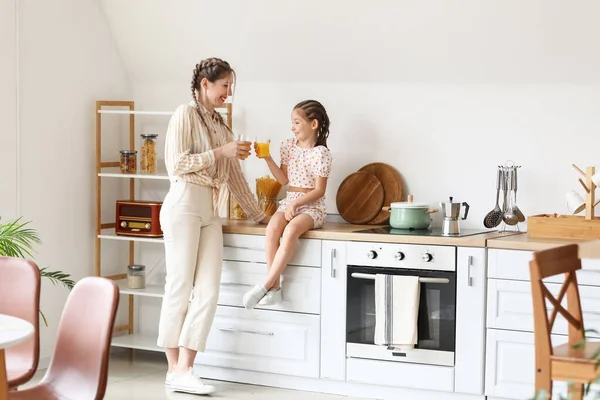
x,y
436,324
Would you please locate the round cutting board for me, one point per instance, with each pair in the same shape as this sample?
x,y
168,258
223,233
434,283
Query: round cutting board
x,y
360,197
392,187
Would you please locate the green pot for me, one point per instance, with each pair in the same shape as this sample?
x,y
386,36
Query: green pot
x,y
408,215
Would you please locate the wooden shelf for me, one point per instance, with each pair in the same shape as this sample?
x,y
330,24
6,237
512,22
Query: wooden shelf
x,y
134,112
136,341
148,291
162,175
109,234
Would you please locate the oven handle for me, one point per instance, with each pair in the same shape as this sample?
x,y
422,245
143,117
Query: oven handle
x,y
421,280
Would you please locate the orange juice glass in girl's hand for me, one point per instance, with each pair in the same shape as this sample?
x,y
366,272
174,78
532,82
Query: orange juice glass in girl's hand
x,y
262,148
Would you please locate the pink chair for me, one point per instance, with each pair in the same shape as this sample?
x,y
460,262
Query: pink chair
x,y
79,366
20,297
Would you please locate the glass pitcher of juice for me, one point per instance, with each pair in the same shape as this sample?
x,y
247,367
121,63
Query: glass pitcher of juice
x,y
262,147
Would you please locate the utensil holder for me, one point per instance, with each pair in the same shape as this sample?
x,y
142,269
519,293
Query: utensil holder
x,y
570,226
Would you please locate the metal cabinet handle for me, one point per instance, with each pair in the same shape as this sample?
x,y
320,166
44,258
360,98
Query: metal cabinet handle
x,y
235,284
243,248
245,331
332,269
469,265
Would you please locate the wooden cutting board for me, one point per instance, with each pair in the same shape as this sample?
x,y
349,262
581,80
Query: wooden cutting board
x,y
392,187
360,197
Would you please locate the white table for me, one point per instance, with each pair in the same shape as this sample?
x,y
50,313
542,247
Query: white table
x,y
12,331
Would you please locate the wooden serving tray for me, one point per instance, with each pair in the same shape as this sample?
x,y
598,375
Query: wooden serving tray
x,y
563,227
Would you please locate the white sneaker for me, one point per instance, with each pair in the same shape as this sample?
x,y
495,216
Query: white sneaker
x,y
169,378
271,298
253,296
190,383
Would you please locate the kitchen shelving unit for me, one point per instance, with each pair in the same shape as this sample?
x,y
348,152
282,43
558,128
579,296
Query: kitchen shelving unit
x,y
106,230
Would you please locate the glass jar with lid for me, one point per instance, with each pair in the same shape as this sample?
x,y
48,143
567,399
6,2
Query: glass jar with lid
x,y
136,276
128,161
148,157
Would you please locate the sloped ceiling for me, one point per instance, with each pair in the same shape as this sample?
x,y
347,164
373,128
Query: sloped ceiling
x,y
457,41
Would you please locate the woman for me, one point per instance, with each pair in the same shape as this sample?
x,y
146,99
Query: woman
x,y
200,156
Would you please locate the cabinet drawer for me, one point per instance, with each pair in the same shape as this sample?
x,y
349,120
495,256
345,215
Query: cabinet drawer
x,y
301,286
265,341
252,248
514,264
510,366
406,375
510,306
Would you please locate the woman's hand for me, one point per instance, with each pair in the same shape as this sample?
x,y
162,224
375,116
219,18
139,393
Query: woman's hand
x,y
237,149
265,220
290,211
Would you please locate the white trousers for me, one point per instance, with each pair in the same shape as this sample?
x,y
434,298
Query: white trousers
x,y
193,256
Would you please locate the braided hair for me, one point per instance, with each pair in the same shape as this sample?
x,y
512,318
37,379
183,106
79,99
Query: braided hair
x,y
312,109
212,69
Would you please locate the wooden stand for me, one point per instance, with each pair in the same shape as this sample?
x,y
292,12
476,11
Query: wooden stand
x,y
570,226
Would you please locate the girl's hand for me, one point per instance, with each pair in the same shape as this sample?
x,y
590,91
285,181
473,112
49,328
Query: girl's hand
x,y
290,211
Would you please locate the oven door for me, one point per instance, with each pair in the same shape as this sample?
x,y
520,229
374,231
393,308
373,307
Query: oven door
x,y
436,321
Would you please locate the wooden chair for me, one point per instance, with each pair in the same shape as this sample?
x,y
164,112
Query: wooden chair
x,y
564,362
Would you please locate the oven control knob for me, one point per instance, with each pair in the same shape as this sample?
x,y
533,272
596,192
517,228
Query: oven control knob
x,y
426,257
372,254
147,226
123,224
399,256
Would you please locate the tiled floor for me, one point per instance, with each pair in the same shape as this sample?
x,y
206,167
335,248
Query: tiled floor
x,y
143,377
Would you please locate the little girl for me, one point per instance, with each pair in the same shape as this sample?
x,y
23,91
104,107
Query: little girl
x,y
305,166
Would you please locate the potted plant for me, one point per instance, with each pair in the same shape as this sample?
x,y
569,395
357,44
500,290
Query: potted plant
x,y
17,240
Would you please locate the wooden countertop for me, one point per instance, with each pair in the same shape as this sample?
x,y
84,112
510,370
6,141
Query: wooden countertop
x,y
526,242
587,248
345,231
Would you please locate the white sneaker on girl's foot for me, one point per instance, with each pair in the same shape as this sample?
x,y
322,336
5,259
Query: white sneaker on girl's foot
x,y
253,296
272,297
169,378
190,383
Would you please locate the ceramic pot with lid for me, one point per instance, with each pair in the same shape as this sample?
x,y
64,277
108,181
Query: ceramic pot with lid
x,y
410,215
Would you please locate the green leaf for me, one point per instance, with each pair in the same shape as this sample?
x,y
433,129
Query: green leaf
x,y
16,240
43,318
57,277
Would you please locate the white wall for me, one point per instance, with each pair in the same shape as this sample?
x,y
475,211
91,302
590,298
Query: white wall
x,y
443,91
8,111
67,61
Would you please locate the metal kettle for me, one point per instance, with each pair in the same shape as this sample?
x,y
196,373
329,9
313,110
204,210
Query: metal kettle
x,y
451,215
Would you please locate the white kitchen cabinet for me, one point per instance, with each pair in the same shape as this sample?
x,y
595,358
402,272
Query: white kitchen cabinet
x,y
510,366
470,320
251,248
301,286
264,341
514,265
510,306
333,310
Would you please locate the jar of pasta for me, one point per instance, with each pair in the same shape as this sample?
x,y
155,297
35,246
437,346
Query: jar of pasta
x,y
236,211
128,161
148,158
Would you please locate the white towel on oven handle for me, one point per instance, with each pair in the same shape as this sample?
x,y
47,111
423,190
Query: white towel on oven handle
x,y
396,310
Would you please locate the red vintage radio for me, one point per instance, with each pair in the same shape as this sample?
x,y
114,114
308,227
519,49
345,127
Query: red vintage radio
x,y
138,218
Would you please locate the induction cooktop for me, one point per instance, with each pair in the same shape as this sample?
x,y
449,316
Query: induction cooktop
x,y
388,230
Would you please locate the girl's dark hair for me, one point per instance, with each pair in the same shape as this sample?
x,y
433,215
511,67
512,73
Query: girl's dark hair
x,y
312,109
212,69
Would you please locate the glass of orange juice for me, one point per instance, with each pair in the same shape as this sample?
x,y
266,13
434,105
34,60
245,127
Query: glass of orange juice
x,y
262,147
244,140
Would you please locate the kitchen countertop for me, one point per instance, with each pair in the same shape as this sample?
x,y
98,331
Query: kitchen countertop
x,y
345,231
